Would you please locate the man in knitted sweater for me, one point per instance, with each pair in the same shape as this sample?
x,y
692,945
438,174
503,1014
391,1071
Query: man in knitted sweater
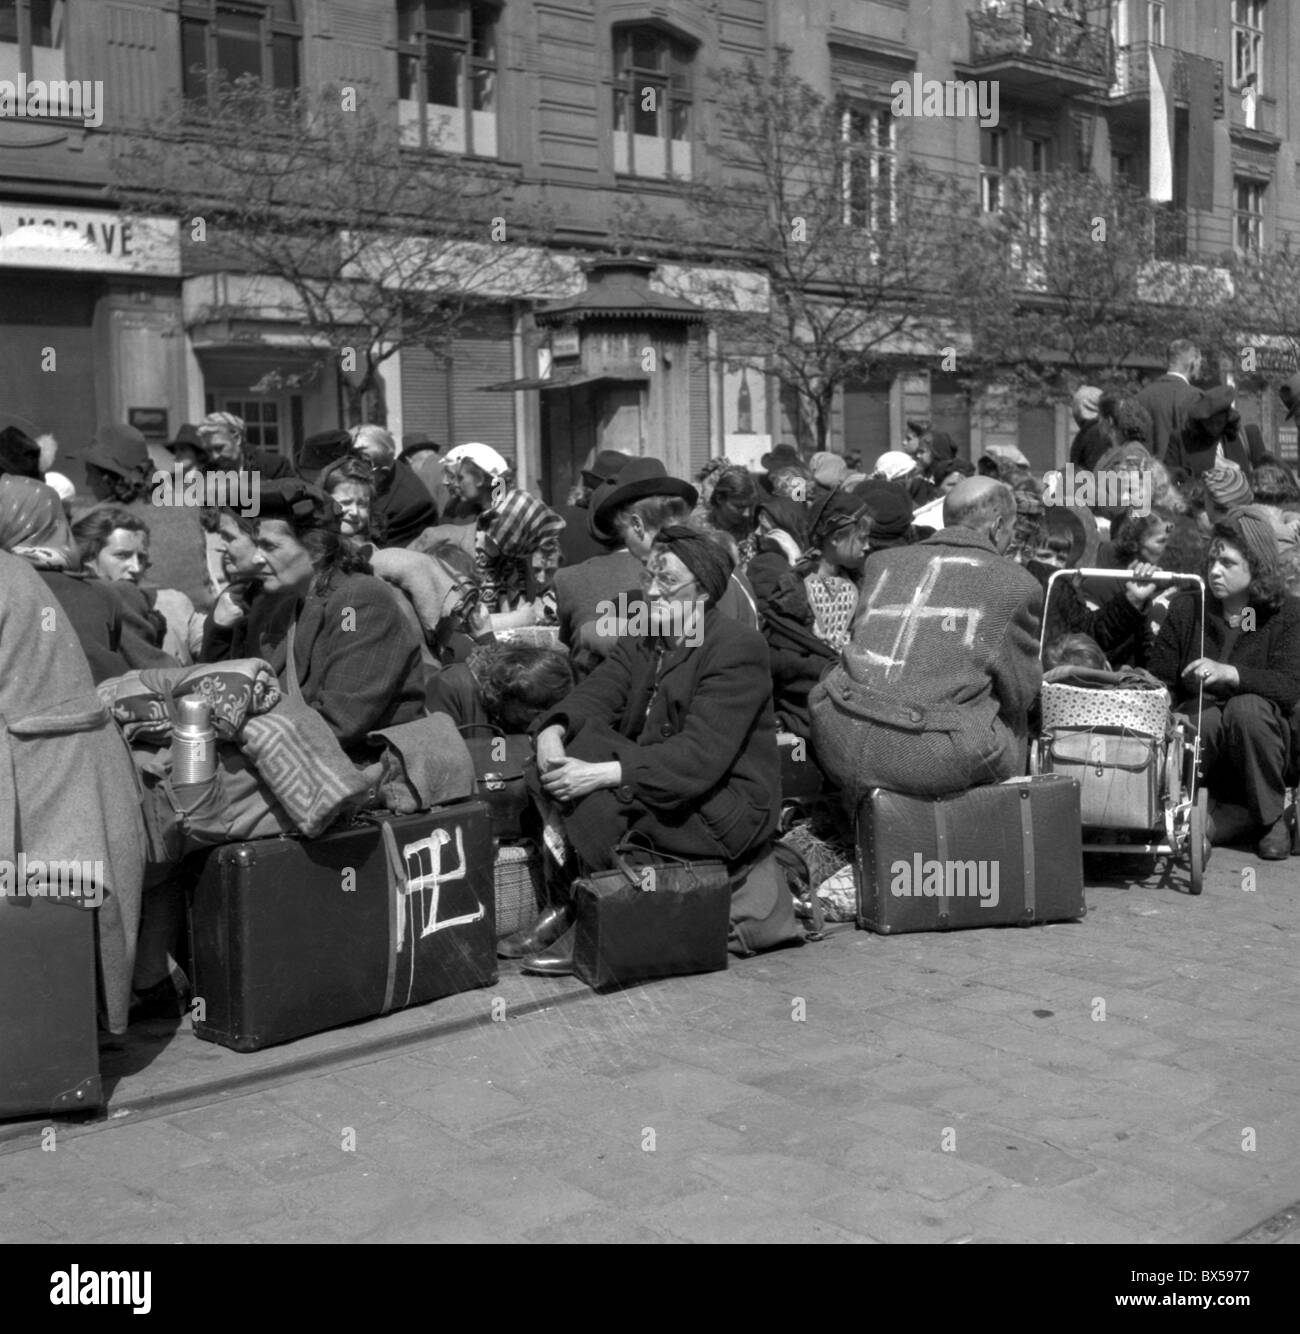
x,y
933,691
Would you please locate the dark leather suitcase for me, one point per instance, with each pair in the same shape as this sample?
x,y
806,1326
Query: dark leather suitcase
x,y
1009,853
639,923
49,1043
290,937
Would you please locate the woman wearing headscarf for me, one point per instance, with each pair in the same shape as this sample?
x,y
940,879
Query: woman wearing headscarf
x,y
356,657
672,738
515,538
67,784
34,528
1249,674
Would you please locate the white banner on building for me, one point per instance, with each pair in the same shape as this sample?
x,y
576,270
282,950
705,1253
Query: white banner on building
x,y
33,236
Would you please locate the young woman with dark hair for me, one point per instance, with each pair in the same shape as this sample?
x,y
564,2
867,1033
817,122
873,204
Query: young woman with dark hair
x,y
1249,675
730,508
351,484
160,625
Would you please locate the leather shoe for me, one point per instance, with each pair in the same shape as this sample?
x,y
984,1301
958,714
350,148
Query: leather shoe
x,y
1275,846
548,928
558,960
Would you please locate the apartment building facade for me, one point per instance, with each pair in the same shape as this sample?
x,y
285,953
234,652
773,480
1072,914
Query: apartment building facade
x,y
1188,100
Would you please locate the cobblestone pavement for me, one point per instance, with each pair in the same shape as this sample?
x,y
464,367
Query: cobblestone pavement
x,y
937,1088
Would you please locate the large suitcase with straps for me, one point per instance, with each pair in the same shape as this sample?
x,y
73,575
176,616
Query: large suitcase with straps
x,y
1009,853
291,936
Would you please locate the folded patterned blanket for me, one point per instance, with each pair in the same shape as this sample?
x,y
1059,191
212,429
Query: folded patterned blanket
x,y
300,760
144,702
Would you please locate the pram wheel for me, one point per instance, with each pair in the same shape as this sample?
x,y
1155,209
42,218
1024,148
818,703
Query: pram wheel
x,y
1197,851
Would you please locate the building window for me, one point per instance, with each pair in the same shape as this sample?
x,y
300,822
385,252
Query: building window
x,y
31,39
1247,42
224,41
869,164
1248,226
993,170
447,75
1156,22
1037,158
654,108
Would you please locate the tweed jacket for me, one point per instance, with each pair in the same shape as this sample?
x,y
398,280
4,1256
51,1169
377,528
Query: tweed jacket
x,y
933,691
1267,658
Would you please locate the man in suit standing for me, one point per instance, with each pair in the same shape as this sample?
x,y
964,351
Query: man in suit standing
x,y
1168,398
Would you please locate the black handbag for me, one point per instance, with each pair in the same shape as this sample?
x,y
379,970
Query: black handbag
x,y
662,919
499,762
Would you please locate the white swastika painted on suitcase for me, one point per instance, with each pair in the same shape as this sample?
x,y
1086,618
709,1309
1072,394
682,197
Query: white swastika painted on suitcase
x,y
425,872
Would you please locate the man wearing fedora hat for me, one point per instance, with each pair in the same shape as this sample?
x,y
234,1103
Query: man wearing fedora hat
x,y
624,515
577,542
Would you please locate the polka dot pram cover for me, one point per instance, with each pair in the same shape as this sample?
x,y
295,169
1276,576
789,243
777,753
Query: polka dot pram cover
x,y
1074,708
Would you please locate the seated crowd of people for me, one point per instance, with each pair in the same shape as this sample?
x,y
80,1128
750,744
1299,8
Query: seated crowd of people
x,y
887,625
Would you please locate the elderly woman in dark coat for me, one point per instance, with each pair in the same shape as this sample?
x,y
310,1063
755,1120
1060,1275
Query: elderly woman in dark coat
x,y
356,655
1250,675
672,738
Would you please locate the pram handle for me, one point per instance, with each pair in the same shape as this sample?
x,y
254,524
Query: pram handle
x,y
1124,576
1155,577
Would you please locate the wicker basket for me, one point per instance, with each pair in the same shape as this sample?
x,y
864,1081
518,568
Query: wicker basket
x,y
1075,707
518,877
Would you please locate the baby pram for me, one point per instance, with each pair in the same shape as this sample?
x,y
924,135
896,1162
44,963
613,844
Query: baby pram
x,y
1137,762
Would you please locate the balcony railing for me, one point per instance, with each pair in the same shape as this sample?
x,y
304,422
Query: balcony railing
x,y
1133,73
1019,31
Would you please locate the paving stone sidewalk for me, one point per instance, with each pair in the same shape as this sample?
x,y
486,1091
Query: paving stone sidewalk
x,y
933,1088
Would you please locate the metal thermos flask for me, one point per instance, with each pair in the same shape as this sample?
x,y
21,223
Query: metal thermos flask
x,y
194,743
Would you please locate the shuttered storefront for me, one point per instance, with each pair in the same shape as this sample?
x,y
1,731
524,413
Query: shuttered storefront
x,y
483,354
426,397
446,399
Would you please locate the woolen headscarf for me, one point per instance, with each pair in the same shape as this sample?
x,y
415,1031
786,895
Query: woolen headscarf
x,y
828,469
1251,528
34,526
707,561
1228,487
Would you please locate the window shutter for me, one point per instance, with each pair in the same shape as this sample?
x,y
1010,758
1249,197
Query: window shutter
x,y
425,398
484,354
